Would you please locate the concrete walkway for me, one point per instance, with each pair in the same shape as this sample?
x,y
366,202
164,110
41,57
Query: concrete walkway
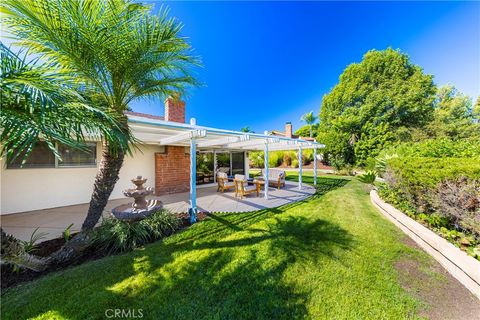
x,y
54,221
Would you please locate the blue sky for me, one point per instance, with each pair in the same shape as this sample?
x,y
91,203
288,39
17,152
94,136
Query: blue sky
x,y
266,63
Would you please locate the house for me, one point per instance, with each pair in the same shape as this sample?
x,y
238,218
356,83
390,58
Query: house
x,y
289,133
173,156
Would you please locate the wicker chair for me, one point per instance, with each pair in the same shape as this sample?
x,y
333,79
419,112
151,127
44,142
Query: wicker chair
x,y
223,183
242,187
276,177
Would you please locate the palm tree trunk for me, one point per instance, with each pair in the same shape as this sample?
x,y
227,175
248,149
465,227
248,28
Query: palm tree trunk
x,y
310,131
105,181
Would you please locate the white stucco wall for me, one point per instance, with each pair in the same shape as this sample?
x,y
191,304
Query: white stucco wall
x,y
35,189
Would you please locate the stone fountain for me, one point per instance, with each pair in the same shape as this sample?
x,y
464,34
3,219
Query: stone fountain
x,y
140,208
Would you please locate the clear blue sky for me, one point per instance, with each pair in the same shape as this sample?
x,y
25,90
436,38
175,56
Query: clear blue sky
x,y
266,63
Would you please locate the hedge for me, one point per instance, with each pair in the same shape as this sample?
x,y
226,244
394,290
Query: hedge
x,y
425,173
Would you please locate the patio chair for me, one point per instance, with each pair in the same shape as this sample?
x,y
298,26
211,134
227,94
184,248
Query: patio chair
x,y
223,183
275,177
242,187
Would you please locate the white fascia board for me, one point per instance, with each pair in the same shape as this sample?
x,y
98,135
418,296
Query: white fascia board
x,y
183,136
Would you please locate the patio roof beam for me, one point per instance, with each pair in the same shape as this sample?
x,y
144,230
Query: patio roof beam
x,y
283,145
222,141
183,137
249,142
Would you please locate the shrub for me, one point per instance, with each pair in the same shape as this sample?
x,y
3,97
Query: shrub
x,y
295,163
369,177
275,159
338,163
289,157
256,159
448,186
307,156
460,201
116,235
440,148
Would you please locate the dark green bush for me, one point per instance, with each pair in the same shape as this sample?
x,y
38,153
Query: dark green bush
x,y
417,174
439,148
447,186
115,235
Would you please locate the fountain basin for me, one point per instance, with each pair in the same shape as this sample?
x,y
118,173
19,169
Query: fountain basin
x,y
129,213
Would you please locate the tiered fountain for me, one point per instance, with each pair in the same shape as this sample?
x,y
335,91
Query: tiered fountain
x,y
140,208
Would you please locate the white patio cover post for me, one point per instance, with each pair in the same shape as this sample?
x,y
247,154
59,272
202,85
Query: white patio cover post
x,y
315,165
265,187
193,176
193,181
300,168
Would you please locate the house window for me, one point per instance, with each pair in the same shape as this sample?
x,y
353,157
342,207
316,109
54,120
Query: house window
x,y
77,158
42,157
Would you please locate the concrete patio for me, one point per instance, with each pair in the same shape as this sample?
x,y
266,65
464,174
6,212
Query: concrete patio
x,y
54,221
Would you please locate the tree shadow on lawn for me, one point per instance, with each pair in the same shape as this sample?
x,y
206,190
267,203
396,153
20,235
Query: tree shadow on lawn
x,y
240,278
222,268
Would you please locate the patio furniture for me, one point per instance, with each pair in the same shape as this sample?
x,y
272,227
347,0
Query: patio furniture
x,y
223,183
276,177
242,187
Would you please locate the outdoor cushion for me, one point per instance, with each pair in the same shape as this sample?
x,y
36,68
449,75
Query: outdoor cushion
x,y
240,177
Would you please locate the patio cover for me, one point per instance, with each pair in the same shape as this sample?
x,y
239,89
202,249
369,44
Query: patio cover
x,y
151,131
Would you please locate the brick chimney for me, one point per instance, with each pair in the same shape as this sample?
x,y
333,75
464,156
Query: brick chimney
x,y
174,109
288,129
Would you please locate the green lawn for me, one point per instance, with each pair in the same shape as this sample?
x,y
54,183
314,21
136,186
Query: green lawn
x,y
330,256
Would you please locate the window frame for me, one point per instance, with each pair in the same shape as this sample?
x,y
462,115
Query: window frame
x,y
57,164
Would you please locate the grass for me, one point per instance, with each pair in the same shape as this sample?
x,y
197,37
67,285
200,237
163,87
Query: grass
x,y
331,256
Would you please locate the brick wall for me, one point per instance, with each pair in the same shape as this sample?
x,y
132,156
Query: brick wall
x,y
174,110
172,171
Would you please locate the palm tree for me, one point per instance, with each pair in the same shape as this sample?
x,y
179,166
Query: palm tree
x,y
39,103
309,119
247,130
117,51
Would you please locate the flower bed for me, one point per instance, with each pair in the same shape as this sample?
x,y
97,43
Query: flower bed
x,y
440,224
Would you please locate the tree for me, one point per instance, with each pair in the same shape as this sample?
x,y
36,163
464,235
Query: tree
x,y
304,131
116,49
453,115
309,119
39,102
476,110
374,100
247,130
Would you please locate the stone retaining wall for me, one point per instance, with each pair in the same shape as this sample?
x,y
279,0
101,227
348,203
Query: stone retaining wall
x,y
464,268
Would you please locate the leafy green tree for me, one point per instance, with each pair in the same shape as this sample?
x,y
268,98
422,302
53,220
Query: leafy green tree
x,y
374,100
247,130
453,115
304,131
476,109
117,50
310,119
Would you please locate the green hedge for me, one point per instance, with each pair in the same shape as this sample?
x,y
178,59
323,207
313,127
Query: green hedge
x,y
440,148
439,185
426,173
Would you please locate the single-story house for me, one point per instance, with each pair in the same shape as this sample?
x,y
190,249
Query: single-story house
x,y
173,156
